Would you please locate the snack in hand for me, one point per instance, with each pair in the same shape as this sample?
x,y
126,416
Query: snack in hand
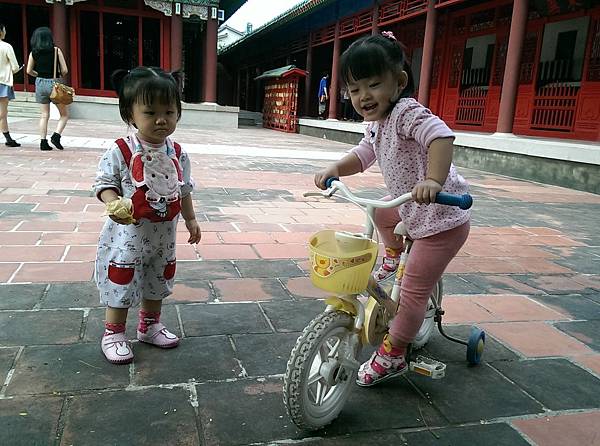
x,y
122,209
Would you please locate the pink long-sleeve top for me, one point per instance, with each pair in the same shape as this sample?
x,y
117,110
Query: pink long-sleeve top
x,y
400,145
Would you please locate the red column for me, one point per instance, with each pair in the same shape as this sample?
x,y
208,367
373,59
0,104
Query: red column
x,y
428,50
333,90
510,83
375,25
176,42
307,80
210,66
60,30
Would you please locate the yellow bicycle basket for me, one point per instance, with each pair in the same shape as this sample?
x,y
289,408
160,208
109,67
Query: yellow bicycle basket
x,y
341,262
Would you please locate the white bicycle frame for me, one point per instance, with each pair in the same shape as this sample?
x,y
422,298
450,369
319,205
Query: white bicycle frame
x,y
369,205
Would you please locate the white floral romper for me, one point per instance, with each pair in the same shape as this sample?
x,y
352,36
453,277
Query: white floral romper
x,y
138,260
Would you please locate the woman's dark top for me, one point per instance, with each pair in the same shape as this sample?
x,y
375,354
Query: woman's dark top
x,y
44,63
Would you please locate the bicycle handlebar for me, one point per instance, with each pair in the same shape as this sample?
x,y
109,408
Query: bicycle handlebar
x,y
334,184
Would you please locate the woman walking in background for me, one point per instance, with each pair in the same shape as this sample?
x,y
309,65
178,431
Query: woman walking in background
x,y
47,63
8,67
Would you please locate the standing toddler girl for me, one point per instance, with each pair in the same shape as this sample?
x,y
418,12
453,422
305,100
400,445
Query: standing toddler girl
x,y
144,180
414,150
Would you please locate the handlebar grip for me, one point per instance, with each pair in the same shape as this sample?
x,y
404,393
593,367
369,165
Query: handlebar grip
x,y
462,201
330,180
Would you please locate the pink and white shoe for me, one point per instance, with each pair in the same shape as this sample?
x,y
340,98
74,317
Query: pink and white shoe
x,y
380,368
158,335
117,348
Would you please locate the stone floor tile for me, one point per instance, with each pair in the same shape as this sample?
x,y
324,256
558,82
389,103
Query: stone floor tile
x,y
264,354
556,383
199,359
20,297
517,308
587,332
31,254
72,295
260,227
559,284
241,290
465,309
29,421
461,397
205,270
282,251
19,238
577,429
48,226
147,416
55,272
190,291
290,315
500,284
65,368
590,362
268,268
7,270
246,238
575,306
457,284
536,339
40,327
241,423
223,319
232,252
7,359
497,434
303,287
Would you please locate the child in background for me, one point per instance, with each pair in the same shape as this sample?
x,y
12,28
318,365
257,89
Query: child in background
x,y
414,150
144,180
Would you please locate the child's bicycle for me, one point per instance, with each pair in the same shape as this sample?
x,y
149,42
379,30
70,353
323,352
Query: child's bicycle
x,y
323,364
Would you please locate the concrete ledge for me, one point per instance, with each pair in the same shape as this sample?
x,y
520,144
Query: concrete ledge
x,y
205,115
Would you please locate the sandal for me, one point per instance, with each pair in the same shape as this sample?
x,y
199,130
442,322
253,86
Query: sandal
x,y
380,368
117,348
158,335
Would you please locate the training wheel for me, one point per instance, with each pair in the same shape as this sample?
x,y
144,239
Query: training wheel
x,y
475,346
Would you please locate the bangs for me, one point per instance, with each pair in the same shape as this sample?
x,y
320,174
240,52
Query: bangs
x,y
363,61
155,89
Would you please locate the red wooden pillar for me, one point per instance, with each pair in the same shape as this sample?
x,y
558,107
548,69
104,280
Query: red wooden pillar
x,y
428,49
210,66
176,42
307,80
333,90
510,84
60,29
375,25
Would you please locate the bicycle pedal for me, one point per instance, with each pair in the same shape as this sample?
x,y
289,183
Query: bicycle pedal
x,y
428,367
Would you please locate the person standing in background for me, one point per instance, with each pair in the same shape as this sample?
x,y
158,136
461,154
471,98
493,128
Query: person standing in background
x,y
8,67
47,63
323,95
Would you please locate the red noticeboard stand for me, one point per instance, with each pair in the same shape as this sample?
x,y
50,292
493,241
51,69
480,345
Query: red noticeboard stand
x,y
280,109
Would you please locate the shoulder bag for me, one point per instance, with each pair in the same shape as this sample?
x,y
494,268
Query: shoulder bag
x,y
61,93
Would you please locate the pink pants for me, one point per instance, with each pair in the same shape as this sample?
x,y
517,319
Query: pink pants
x,y
426,263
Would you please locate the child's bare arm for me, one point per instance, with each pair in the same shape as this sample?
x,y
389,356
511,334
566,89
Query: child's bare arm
x,y
438,166
188,214
348,165
108,195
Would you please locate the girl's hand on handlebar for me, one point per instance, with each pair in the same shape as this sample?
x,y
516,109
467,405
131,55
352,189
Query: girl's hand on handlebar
x,y
322,175
425,191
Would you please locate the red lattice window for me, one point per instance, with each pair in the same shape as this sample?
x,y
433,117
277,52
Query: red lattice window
x,y
528,58
593,74
455,67
482,20
500,62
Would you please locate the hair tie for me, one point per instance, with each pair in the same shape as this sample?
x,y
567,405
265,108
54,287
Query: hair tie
x,y
389,35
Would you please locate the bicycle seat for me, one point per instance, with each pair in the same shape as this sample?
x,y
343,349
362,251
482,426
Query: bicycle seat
x,y
400,229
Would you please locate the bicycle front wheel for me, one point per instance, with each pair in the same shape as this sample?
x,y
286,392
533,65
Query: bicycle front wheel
x,y
318,379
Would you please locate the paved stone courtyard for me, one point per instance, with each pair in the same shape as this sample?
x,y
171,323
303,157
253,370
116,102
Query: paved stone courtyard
x,y
529,275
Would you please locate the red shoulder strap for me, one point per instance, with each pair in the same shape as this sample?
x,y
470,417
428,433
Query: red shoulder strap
x,y
125,151
177,149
